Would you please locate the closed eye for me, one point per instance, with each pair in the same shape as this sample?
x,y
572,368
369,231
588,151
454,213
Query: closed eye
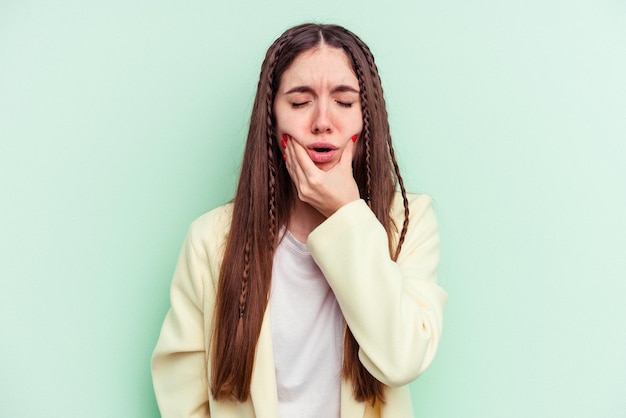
x,y
297,105
345,104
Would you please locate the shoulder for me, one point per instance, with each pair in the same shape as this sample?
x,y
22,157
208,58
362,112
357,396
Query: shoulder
x,y
423,226
418,203
211,228
218,216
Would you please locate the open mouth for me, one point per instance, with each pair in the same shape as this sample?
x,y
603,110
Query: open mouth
x,y
322,153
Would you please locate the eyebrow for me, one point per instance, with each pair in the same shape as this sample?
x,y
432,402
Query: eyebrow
x,y
342,88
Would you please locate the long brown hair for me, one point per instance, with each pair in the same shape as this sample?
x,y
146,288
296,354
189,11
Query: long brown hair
x,y
263,202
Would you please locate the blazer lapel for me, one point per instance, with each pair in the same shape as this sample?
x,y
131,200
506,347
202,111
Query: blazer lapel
x,y
263,384
350,408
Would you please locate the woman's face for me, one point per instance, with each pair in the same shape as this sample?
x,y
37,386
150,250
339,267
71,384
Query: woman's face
x,y
318,104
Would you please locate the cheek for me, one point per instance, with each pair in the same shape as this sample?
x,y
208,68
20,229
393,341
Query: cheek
x,y
286,121
355,122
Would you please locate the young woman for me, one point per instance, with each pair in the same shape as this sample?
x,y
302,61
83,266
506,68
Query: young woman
x,y
312,294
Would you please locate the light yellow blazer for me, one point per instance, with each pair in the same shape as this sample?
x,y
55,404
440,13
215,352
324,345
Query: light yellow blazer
x,y
394,310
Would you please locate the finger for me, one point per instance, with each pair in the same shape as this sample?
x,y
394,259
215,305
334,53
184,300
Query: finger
x,y
294,161
348,154
306,165
290,156
345,162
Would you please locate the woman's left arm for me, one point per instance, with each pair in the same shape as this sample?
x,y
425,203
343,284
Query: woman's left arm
x,y
393,308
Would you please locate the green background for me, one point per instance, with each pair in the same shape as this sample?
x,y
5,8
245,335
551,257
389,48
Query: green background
x,y
121,122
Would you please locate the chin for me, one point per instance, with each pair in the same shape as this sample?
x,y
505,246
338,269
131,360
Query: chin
x,y
326,166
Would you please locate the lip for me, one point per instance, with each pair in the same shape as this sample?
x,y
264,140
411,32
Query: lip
x,y
321,157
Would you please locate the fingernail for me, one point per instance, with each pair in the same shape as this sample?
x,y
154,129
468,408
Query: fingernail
x,y
285,137
284,157
283,143
354,138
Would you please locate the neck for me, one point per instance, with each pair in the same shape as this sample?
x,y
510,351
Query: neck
x,y
304,218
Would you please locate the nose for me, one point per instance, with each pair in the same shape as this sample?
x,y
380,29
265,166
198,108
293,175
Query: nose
x,y
321,120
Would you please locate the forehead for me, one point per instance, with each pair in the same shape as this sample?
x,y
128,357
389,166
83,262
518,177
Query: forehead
x,y
324,64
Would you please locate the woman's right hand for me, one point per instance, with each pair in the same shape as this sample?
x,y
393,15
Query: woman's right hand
x,y
326,191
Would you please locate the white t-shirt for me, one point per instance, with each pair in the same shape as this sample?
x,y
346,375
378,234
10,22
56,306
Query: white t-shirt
x,y
307,332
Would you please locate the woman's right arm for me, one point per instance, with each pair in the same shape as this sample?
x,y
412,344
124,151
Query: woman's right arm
x,y
179,368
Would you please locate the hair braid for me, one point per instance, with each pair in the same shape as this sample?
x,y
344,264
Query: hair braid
x,y
405,200
374,73
271,186
271,163
367,133
245,279
365,105
271,140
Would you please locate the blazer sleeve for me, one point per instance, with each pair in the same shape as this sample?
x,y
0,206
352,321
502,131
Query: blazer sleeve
x,y
179,367
394,309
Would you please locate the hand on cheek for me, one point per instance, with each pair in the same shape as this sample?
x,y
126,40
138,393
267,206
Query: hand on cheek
x,y
326,191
